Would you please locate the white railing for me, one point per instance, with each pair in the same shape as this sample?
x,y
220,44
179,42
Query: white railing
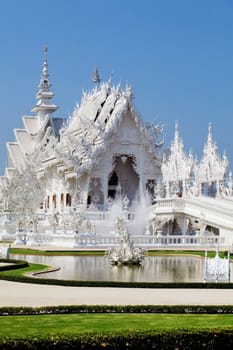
x,y
178,240
139,240
91,215
104,216
165,203
170,204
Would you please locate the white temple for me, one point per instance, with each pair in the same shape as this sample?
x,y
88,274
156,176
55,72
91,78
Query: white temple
x,y
69,180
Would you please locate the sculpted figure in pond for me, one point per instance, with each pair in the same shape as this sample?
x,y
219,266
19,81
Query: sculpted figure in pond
x,y
125,253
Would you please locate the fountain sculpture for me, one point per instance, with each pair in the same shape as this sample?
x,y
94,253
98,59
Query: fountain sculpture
x,y
125,253
217,269
4,251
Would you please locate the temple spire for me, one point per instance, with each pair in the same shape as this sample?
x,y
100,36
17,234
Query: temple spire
x,y
177,167
212,168
177,136
45,64
96,76
210,136
44,106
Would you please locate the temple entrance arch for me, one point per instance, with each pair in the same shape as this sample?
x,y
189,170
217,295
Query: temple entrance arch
x,y
123,177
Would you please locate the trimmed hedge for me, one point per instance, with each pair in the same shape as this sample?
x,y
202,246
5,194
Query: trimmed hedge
x,y
169,340
75,309
16,264
71,283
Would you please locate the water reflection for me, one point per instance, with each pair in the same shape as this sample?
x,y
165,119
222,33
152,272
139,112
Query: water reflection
x,y
96,268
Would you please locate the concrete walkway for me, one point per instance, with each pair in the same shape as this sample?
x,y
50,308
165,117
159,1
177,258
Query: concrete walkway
x,y
23,294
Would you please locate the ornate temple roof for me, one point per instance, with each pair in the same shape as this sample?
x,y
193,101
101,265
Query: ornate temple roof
x,y
75,145
100,108
91,127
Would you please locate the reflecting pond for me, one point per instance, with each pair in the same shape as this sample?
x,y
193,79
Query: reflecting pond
x,y
97,268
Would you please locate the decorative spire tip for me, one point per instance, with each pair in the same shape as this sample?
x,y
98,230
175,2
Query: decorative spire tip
x,y
46,54
96,76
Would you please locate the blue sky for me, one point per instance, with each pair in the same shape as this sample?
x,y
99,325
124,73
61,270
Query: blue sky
x,y
176,54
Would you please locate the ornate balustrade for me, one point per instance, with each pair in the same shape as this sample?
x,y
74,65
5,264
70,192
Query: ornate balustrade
x,y
105,215
139,240
178,240
170,204
62,229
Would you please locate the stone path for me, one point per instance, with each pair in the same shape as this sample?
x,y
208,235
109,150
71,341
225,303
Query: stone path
x,y
23,294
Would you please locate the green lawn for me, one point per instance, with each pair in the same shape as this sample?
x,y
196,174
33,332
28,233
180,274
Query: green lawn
x,y
26,270
28,251
211,254
13,327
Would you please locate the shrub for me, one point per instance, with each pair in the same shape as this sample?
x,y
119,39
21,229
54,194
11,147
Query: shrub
x,y
169,340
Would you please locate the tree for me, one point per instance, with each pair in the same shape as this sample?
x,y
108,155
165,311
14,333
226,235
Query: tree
x,y
24,192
